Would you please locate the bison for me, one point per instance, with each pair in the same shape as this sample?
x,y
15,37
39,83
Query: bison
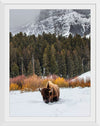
x,y
50,93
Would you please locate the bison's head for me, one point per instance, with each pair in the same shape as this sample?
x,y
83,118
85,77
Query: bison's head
x,y
46,93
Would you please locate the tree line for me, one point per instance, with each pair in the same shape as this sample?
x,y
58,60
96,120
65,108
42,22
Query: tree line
x,y
49,54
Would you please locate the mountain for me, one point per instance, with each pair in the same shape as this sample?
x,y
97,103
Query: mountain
x,y
58,21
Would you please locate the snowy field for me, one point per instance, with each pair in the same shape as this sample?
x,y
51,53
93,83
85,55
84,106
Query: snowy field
x,y
73,102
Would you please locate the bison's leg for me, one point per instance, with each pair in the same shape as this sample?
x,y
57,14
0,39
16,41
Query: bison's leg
x,y
55,98
51,100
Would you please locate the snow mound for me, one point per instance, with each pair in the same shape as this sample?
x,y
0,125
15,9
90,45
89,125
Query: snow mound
x,y
85,76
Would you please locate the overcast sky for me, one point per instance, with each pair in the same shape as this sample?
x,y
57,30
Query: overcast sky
x,y
19,17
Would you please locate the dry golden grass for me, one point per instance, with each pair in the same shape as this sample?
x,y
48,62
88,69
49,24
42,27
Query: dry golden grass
x,y
34,82
80,83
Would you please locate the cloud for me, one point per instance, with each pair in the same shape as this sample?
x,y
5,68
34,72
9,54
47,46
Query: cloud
x,y
19,17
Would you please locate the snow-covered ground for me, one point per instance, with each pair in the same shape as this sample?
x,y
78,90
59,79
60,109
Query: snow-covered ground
x,y
73,102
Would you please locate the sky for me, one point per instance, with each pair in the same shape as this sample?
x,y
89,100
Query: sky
x,y
19,17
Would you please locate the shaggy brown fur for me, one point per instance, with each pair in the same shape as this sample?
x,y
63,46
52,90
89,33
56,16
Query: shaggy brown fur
x,y
50,93
54,91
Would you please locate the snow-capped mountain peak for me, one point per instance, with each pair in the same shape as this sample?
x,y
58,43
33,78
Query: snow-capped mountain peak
x,y
58,21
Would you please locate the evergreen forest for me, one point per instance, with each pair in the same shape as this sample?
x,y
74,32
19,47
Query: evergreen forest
x,y
48,54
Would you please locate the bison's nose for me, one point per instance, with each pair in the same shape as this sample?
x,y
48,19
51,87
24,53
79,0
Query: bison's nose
x,y
46,101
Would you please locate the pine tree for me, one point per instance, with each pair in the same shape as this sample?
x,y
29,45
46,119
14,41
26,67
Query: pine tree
x,y
37,68
62,64
14,70
64,69
11,37
76,63
54,65
70,64
30,69
46,61
80,70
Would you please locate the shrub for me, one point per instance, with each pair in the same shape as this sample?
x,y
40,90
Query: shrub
x,y
44,81
14,86
79,83
61,82
19,80
32,83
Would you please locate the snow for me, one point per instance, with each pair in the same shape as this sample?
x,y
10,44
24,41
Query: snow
x,y
72,102
85,76
87,36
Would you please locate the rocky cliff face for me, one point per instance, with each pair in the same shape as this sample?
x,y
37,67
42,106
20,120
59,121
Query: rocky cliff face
x,y
59,22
